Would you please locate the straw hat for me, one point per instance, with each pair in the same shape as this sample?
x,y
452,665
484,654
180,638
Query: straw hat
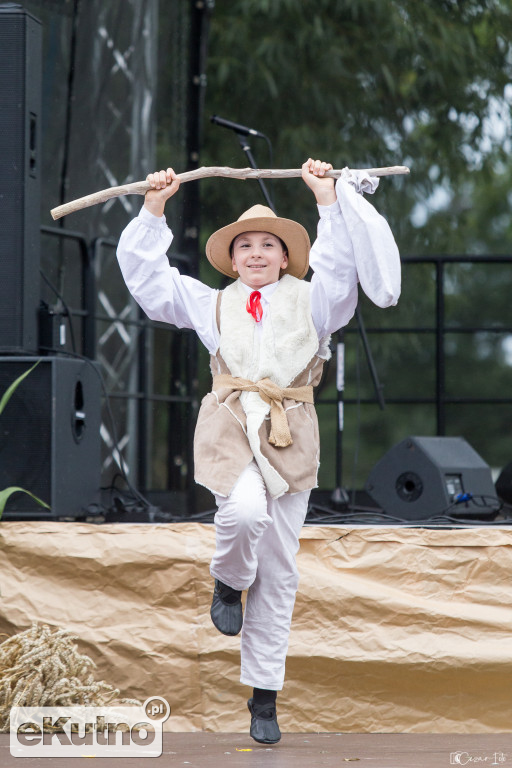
x,y
259,218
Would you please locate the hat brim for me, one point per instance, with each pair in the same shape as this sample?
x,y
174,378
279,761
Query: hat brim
x,y
291,233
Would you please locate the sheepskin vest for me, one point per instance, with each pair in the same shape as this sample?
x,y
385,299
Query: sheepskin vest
x,y
233,427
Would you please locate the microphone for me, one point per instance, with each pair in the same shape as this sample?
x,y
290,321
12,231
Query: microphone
x,y
242,129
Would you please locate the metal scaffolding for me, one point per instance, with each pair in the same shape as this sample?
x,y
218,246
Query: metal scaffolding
x,y
100,87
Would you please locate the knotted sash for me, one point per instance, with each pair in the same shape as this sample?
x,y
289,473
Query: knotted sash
x,y
272,394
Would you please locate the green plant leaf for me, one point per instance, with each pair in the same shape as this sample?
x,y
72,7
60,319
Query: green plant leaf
x,y
11,389
4,496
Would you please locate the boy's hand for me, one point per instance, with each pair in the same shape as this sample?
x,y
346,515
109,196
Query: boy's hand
x,y
164,184
313,174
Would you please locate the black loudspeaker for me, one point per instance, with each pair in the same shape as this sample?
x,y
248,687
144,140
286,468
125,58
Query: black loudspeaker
x,y
422,477
20,186
50,436
504,484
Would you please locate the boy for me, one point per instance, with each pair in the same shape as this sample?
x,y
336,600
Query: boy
x,y
256,445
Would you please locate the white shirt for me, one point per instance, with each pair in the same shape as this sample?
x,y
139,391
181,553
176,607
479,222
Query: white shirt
x,y
185,302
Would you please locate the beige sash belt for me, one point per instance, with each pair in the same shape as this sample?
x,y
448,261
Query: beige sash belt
x,y
269,392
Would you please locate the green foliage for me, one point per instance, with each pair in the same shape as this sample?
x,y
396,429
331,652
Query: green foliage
x,y
7,492
13,387
364,83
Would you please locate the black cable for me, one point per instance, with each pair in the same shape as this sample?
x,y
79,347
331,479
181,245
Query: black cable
x,y
468,499
70,98
440,518
201,516
375,518
69,103
473,523
271,164
486,500
342,516
67,312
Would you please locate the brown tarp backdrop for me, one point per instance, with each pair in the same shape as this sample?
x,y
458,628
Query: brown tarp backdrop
x,y
394,629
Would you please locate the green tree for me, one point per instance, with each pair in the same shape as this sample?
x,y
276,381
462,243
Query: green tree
x,y
365,83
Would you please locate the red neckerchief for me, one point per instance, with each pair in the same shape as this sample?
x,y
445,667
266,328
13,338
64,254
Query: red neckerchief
x,y
254,307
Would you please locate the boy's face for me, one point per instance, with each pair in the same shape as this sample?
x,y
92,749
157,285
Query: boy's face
x,y
258,258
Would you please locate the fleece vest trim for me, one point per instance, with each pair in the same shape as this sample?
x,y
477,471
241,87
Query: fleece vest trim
x,y
222,448
281,352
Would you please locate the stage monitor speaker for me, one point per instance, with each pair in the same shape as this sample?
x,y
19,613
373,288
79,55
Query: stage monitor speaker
x,y
20,185
422,477
50,436
504,484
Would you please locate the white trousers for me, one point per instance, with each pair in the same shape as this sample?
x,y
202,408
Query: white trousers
x,y
257,538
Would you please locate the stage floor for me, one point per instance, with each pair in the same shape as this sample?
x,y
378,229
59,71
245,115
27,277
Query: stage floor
x,y
303,750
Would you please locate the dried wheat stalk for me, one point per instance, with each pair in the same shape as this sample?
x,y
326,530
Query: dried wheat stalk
x,y
41,668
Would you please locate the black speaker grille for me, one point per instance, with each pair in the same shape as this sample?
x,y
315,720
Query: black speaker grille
x,y
50,435
12,102
20,98
26,432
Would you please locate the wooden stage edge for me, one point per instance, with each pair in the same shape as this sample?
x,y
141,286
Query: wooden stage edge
x,y
301,750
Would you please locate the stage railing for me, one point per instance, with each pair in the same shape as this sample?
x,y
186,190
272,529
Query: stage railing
x,y
440,330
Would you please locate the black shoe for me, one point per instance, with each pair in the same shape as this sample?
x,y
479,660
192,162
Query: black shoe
x,y
264,727
226,610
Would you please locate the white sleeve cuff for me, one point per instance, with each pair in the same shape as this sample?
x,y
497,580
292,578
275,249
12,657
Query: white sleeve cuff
x,y
375,251
150,219
328,211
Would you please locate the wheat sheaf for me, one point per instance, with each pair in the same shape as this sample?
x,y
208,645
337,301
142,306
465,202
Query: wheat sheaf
x,y
41,668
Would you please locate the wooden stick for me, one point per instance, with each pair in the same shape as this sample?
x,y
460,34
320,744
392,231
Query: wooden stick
x,y
141,187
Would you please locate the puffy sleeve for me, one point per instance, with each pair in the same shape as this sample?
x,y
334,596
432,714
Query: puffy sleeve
x,y
334,281
376,254
354,244
158,288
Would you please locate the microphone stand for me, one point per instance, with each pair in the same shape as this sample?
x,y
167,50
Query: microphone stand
x,y
247,151
340,498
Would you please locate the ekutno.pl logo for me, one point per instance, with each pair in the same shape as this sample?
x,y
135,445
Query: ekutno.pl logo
x,y
89,731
